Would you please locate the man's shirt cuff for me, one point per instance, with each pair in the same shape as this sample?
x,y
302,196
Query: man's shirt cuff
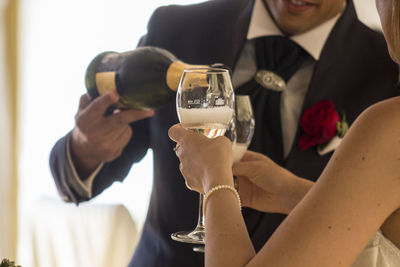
x,y
82,187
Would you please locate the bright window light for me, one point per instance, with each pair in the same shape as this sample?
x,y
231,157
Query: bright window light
x,y
58,40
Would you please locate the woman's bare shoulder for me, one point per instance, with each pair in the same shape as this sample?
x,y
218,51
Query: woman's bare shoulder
x,y
383,113
374,138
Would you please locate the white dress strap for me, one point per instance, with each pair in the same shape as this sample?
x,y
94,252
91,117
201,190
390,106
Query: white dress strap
x,y
380,252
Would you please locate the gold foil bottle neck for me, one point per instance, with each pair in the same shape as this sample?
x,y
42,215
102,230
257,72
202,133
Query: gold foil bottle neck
x,y
175,71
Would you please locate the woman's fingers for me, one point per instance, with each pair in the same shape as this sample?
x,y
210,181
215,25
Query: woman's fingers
x,y
251,156
197,155
246,169
186,138
176,132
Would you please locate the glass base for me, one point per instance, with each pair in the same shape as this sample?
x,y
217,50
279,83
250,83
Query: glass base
x,y
197,236
200,249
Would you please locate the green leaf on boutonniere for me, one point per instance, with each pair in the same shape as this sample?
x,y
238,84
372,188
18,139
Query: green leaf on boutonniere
x,y
342,126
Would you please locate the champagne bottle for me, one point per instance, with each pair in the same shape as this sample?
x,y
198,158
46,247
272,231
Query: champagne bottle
x,y
145,78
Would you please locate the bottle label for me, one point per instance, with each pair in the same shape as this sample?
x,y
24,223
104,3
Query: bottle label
x,y
105,81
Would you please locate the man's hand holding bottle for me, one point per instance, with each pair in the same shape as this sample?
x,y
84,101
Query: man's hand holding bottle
x,y
98,138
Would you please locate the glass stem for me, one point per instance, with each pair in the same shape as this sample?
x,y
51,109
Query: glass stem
x,y
201,220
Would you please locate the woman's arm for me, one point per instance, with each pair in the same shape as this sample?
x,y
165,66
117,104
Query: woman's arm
x,y
356,192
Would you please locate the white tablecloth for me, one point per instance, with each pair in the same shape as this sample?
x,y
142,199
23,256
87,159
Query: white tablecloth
x,y
66,235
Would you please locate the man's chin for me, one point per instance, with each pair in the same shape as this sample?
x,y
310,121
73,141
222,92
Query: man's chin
x,y
294,28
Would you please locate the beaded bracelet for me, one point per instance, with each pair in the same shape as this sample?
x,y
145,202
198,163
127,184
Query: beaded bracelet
x,y
216,188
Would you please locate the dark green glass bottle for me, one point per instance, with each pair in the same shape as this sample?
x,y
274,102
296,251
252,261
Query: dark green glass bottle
x,y
145,78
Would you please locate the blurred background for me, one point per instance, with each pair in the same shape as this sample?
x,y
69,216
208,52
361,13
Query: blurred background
x,y
45,47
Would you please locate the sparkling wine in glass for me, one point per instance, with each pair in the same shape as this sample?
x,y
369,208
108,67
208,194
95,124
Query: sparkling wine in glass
x,y
205,104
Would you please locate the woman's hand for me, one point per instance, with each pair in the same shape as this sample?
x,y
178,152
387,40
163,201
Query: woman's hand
x,y
205,162
266,186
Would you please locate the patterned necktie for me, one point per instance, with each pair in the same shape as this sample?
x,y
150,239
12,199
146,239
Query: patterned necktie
x,y
283,57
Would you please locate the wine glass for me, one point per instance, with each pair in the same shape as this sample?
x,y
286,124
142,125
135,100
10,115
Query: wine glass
x,y
241,129
205,104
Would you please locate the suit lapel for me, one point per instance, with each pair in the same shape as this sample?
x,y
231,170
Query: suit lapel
x,y
325,85
330,60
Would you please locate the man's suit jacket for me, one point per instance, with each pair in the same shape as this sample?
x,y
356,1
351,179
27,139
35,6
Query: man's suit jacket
x,y
354,71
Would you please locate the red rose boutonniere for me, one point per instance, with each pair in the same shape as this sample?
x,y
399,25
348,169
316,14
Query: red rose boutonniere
x,y
322,127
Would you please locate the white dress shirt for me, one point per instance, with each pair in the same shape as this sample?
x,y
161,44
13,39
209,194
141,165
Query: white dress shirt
x,y
292,97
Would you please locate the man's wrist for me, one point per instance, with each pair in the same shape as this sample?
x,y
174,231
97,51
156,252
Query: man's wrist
x,y
84,166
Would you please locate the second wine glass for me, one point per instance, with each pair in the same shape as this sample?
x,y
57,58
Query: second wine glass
x,y
242,126
205,104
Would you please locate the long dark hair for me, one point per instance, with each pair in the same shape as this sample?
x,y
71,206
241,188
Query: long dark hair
x,y
396,30
396,26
